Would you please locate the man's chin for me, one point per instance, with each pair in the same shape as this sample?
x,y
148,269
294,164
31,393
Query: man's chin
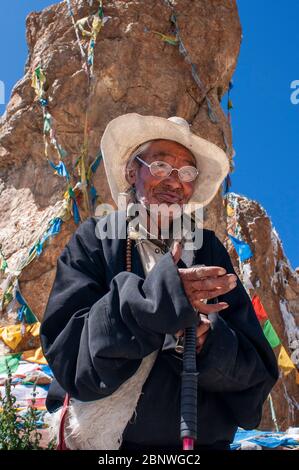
x,y
168,200
167,210
156,206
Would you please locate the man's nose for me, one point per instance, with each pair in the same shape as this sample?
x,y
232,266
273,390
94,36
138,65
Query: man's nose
x,y
174,179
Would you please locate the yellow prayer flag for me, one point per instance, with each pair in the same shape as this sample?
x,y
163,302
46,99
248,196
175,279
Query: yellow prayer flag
x,y
285,362
96,26
33,329
12,335
34,355
230,210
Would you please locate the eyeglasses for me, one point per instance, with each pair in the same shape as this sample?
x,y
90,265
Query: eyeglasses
x,y
163,170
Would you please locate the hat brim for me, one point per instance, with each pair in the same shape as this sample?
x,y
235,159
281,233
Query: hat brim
x,y
127,132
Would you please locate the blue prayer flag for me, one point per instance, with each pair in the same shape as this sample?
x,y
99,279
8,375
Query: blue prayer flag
x,y
76,212
61,169
242,248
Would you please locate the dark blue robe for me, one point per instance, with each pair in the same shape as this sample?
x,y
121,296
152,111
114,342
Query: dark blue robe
x,y
100,321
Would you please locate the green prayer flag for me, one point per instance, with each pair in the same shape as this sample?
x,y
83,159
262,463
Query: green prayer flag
x,y
37,72
7,297
3,265
229,104
3,262
29,316
271,334
11,362
172,42
71,192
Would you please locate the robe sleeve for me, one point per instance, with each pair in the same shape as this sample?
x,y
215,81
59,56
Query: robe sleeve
x,y
95,335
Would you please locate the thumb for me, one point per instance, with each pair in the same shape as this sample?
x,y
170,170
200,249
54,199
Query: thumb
x,y
176,251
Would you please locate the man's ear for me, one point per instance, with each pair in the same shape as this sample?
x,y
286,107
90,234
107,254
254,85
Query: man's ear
x,y
131,171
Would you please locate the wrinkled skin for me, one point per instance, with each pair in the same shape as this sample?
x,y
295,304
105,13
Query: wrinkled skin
x,y
170,190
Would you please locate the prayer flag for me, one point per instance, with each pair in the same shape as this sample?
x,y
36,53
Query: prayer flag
x,y
285,362
271,334
259,309
11,362
242,248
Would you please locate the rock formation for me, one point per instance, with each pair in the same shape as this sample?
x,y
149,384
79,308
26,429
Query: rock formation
x,y
277,285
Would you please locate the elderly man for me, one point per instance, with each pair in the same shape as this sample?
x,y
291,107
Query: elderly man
x,y
119,305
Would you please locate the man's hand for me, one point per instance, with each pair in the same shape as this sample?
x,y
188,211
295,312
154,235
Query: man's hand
x,y
203,283
201,332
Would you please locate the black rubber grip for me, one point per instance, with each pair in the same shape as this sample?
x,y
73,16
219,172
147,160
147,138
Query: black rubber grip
x,y
189,386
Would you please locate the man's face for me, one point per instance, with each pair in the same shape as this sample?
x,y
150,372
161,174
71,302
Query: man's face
x,y
170,190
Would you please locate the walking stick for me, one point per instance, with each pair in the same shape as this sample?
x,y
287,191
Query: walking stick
x,y
189,390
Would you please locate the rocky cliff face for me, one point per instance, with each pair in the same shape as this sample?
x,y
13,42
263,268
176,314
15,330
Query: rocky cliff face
x,y
135,70
269,275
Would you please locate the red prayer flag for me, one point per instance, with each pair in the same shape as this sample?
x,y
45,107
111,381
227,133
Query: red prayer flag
x,y
258,308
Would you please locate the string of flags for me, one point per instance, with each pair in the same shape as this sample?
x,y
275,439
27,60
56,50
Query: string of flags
x,y
12,361
39,83
86,29
72,204
25,364
244,253
71,14
227,182
89,27
11,297
176,40
30,381
98,20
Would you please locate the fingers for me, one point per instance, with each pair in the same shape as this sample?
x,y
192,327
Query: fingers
x,y
179,333
193,274
202,333
208,289
203,327
209,308
226,281
211,294
201,341
176,251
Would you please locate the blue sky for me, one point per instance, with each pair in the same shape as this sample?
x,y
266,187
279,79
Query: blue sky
x,y
265,122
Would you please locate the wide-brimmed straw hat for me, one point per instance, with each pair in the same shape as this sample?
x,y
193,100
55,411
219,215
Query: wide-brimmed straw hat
x,y
124,134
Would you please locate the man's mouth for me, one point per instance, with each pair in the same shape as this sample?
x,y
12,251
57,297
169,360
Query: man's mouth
x,y
170,197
